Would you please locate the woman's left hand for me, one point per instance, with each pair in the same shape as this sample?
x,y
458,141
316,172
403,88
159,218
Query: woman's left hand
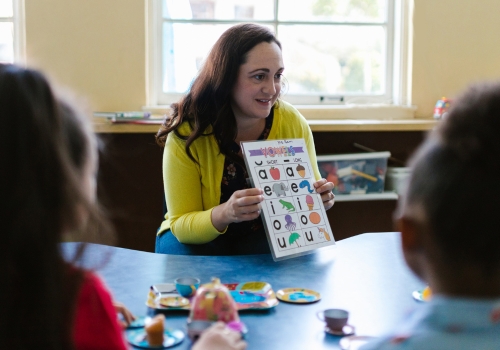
x,y
324,188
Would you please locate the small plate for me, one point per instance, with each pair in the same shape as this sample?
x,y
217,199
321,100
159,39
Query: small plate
x,y
153,302
354,342
298,295
255,295
173,301
346,330
139,322
137,337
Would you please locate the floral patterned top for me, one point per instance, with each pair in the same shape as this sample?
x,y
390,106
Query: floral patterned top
x,y
234,178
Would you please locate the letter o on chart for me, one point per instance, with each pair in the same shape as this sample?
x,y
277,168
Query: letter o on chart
x,y
303,219
277,224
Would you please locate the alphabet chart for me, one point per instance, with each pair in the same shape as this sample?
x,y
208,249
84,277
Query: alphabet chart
x,y
293,213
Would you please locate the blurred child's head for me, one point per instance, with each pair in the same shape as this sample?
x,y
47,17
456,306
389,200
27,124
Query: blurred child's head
x,y
48,156
449,216
39,184
82,147
47,189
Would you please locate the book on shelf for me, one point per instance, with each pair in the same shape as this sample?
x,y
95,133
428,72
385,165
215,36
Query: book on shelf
x,y
130,115
150,121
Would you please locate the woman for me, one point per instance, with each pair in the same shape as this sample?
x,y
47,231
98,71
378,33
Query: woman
x,y
48,157
234,98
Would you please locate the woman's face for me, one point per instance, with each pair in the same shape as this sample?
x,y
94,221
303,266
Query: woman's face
x,y
259,82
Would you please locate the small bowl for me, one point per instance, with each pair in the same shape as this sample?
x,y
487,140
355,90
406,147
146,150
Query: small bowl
x,y
187,286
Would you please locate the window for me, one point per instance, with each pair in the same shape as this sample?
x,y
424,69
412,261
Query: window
x,y
334,51
11,31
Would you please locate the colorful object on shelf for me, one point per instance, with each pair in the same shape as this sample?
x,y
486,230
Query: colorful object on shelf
x,y
356,173
441,108
213,302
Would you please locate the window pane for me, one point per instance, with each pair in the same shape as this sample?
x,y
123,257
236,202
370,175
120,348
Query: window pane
x,y
6,42
219,9
333,10
185,48
334,60
6,8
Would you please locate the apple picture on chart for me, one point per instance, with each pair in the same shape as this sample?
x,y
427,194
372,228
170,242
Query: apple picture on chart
x,y
275,173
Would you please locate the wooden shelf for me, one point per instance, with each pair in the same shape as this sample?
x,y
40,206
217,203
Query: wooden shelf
x,y
317,125
372,124
366,197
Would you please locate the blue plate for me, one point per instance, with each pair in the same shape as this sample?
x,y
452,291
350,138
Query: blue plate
x,y
244,297
137,338
139,322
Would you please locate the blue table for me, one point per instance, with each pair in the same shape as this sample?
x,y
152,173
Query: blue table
x,y
364,274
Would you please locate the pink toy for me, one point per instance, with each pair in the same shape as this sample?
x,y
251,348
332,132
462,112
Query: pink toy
x,y
213,302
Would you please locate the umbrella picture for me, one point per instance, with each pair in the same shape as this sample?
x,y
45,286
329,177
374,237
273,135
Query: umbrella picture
x,y
294,236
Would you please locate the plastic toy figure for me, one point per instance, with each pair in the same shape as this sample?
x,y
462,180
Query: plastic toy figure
x,y
441,108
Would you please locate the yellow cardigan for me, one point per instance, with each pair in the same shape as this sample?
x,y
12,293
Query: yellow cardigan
x,y
193,190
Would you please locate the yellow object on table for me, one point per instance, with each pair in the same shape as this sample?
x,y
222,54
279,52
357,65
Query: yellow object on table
x,y
154,330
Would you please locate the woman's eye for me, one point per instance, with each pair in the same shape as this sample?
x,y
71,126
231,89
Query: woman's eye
x,y
278,76
259,76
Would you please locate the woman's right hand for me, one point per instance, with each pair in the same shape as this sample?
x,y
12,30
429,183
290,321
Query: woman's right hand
x,y
242,206
219,337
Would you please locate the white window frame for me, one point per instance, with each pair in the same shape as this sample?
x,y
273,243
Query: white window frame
x,y
19,40
19,32
399,54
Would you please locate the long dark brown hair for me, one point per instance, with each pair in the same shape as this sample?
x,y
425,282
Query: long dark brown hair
x,y
208,102
40,200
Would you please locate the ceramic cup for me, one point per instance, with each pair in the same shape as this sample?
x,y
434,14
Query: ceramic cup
x,y
187,286
335,319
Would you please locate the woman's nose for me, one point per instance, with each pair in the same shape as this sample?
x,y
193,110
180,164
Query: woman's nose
x,y
269,87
